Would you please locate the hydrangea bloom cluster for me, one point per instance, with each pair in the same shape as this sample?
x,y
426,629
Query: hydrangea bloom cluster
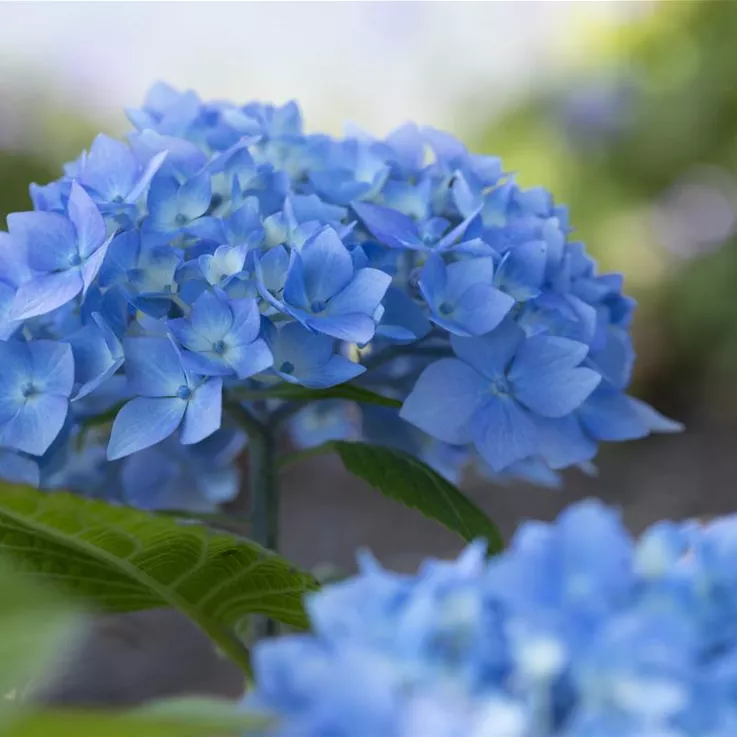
x,y
221,249
575,631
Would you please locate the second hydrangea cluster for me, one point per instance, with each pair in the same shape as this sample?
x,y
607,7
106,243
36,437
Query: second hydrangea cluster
x,y
577,630
221,250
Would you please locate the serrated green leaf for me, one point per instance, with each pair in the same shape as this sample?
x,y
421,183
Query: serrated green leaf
x,y
125,560
411,482
194,717
349,392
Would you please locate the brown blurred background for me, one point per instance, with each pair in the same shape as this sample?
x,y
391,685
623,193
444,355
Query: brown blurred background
x,y
628,114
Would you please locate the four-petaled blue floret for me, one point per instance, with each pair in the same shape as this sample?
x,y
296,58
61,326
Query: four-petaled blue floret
x,y
220,250
577,630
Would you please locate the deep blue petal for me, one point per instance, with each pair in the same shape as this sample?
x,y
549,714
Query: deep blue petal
x,y
204,412
153,367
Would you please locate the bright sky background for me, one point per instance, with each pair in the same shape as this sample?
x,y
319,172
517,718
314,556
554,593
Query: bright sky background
x,y
376,64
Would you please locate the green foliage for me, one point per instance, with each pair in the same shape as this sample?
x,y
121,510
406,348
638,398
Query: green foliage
x,y
410,482
119,559
192,717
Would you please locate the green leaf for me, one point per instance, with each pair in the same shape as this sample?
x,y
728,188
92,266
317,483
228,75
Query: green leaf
x,y
407,480
124,560
342,391
195,717
35,627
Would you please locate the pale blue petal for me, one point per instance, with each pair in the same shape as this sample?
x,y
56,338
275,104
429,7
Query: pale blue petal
x,y
13,266
146,176
555,393
336,371
88,222
211,317
504,432
433,279
455,235
162,201
273,266
45,293
153,367
563,443
194,197
610,415
654,421
545,353
46,238
444,399
246,320
294,287
52,367
392,228
204,412
36,424
465,273
480,310
92,265
327,265
248,359
18,469
110,168
522,270
354,328
15,373
403,319
143,422
305,350
363,294
491,354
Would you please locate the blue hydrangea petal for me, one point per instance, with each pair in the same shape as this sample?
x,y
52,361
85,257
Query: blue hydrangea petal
x,y
248,359
194,197
403,319
547,353
337,370
552,393
522,270
362,294
88,222
36,424
491,354
354,327
327,265
211,317
47,239
304,350
203,415
91,267
503,432
146,176
98,354
153,367
142,422
110,169
444,399
610,415
18,469
479,310
563,442
389,227
45,293
654,420
52,367
13,262
294,287
122,256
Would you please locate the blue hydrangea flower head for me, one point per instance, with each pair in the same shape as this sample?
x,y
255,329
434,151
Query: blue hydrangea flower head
x,y
220,251
576,630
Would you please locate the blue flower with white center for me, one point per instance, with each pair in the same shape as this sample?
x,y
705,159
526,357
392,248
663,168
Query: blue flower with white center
x,y
176,208
112,174
325,292
493,392
167,398
461,296
36,381
221,337
65,255
306,358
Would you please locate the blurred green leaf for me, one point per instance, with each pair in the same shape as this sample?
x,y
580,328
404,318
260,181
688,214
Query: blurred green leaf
x,y
410,482
124,560
194,717
35,627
